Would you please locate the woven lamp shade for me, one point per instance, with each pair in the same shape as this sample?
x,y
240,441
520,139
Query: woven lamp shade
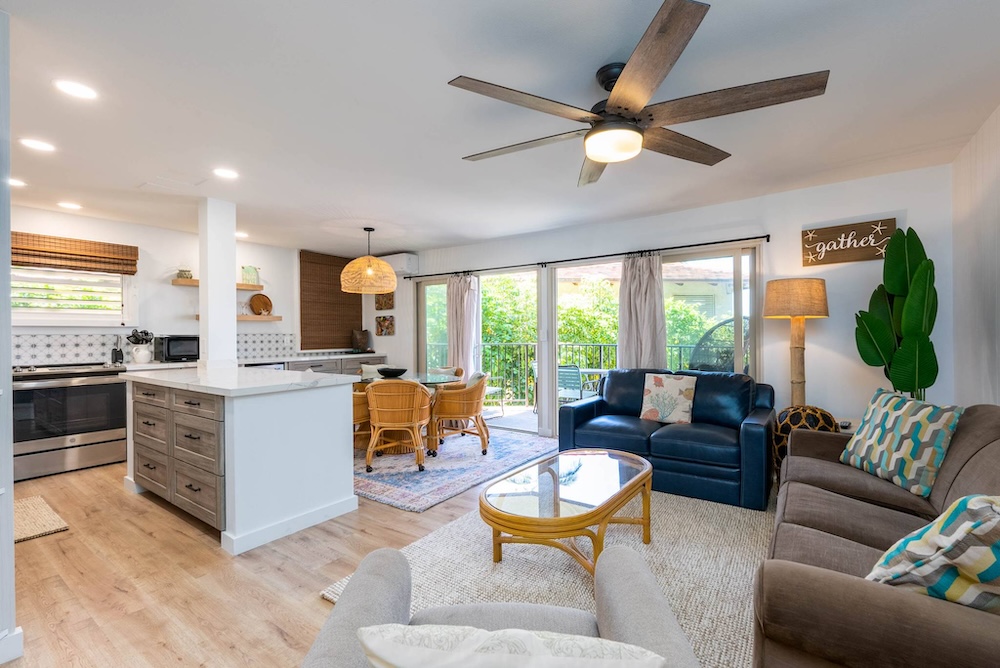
x,y
368,275
796,297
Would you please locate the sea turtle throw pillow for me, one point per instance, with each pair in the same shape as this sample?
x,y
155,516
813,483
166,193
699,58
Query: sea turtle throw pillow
x,y
667,398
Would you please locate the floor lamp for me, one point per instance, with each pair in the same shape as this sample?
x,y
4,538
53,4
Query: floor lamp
x,y
797,299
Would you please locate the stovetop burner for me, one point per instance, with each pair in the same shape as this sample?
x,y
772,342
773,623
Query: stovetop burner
x,y
67,370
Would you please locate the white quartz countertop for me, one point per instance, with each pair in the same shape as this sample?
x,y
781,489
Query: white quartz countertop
x,y
239,381
150,366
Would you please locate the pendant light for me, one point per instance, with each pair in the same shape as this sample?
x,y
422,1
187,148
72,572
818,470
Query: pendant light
x,y
368,275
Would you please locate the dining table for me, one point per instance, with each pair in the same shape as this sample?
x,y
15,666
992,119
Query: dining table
x,y
429,379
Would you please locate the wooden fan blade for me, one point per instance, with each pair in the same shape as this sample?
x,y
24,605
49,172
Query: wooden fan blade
x,y
524,99
660,47
736,99
681,146
591,171
513,148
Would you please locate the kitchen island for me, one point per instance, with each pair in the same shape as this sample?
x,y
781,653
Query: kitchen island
x,y
257,453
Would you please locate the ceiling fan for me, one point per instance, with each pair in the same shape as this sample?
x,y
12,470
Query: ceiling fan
x,y
622,125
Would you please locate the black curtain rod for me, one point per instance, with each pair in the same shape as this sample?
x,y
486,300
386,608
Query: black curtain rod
x,y
765,237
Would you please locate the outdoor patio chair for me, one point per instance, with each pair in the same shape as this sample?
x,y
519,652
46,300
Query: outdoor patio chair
x,y
397,406
569,382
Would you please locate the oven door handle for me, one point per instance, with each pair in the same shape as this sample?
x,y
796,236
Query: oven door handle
x,y
65,382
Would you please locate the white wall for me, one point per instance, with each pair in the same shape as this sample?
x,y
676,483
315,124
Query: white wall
x,y
400,349
837,379
164,308
976,180
11,638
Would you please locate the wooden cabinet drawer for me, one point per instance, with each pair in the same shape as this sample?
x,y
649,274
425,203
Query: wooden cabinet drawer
x,y
198,441
196,403
353,365
150,394
199,493
152,471
319,366
151,426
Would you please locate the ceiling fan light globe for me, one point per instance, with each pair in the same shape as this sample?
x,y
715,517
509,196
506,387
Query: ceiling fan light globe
x,y
613,142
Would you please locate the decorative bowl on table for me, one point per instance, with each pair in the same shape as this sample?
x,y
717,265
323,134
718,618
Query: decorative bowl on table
x,y
391,372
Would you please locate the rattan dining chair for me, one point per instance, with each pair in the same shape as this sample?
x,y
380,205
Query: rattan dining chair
x,y
397,406
458,409
362,417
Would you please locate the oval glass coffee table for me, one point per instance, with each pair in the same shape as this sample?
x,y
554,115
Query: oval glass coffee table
x,y
564,496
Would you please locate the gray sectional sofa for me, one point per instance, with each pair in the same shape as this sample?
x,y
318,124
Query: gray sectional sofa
x,y
813,606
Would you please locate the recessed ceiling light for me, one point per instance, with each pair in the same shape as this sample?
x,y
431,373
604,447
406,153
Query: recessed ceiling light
x,y
75,88
242,235
16,183
70,205
226,173
38,144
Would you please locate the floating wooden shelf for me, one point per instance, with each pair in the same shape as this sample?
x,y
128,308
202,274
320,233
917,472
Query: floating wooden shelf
x,y
253,318
193,283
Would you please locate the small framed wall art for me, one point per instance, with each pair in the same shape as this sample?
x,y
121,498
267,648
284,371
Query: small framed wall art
x,y
385,302
385,325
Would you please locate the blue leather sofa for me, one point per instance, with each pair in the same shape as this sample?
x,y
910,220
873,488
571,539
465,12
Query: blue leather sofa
x,y
724,455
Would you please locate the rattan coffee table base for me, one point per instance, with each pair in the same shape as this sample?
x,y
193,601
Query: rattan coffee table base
x,y
511,528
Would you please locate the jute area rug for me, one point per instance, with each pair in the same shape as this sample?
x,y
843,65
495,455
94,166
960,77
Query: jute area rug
x,y
460,465
34,518
704,556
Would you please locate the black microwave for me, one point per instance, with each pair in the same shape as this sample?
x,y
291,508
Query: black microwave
x,y
179,348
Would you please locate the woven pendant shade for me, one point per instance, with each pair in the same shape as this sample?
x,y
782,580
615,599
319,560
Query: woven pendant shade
x,y
368,275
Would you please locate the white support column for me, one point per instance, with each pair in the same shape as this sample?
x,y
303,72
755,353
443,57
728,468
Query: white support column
x,y
217,283
11,639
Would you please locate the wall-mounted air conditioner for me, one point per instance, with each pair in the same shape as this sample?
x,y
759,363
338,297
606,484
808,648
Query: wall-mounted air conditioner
x,y
404,264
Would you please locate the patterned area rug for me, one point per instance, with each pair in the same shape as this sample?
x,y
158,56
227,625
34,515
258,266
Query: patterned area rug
x,y
459,466
34,518
704,556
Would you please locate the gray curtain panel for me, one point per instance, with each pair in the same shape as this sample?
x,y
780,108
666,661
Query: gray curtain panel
x,y
642,329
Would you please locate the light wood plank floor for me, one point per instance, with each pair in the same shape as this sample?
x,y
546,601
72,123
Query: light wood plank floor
x,y
136,582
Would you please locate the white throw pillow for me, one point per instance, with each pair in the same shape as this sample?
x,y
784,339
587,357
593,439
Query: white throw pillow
x,y
443,370
668,398
475,379
402,646
371,370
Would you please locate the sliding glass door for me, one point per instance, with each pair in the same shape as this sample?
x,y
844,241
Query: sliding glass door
x,y
432,316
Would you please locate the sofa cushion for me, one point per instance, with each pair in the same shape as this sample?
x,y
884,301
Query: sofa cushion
x,y
406,646
667,398
623,388
805,545
495,616
616,432
721,398
855,520
705,443
902,440
848,481
956,557
971,466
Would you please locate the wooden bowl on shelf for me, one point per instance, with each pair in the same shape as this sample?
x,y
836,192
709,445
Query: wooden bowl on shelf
x,y
260,304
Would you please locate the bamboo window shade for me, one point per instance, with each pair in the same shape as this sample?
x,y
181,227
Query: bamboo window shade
x,y
39,250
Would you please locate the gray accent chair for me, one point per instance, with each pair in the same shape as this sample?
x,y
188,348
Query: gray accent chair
x,y
630,609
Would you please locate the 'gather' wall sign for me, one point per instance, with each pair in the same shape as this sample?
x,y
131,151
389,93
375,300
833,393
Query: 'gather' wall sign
x,y
847,243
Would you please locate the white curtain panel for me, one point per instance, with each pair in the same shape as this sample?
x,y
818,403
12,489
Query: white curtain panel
x,y
642,329
463,322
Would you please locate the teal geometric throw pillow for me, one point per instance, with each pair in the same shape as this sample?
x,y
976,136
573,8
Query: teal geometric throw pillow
x,y
956,557
902,440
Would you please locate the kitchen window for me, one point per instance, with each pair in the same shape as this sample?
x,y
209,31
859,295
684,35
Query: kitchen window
x,y
59,297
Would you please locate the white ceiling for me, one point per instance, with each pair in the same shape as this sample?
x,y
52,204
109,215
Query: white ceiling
x,y
337,114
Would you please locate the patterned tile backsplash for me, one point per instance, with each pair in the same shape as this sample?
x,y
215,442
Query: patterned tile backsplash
x,y
90,348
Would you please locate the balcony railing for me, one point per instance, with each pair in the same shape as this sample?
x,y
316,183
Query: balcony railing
x,y
511,365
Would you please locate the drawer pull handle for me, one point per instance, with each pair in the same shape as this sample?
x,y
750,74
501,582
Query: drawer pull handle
x,y
149,394
315,366
192,403
193,488
149,466
192,437
148,423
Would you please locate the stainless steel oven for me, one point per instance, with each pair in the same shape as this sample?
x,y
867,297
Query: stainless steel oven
x,y
67,417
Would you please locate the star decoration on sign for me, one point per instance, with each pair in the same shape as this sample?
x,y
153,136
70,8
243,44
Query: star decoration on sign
x,y
811,257
810,235
881,250
878,227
